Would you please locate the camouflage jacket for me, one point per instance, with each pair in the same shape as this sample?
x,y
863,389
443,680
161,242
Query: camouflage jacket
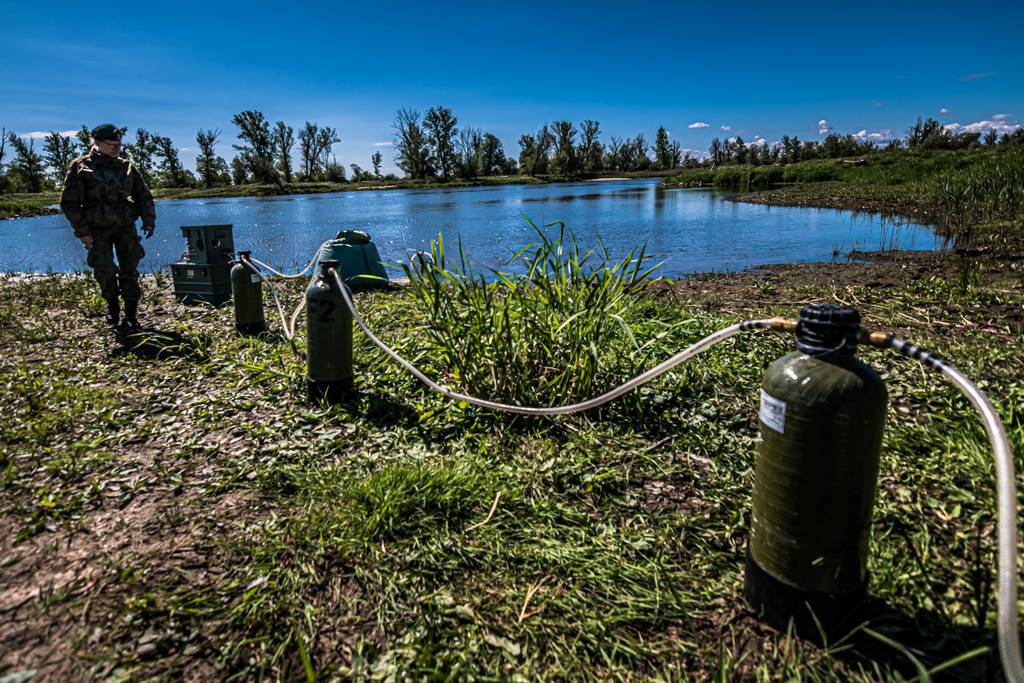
x,y
102,193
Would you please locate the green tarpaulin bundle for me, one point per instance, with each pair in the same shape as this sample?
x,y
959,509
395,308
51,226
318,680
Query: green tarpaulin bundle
x,y
359,263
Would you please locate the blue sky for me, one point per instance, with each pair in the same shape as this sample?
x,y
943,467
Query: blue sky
x,y
761,69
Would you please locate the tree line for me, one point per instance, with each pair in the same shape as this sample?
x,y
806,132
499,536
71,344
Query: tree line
x,y
433,146
427,147
927,134
265,154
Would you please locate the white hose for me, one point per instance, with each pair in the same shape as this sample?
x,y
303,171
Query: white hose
x,y
284,275
1006,506
654,372
288,333
1006,490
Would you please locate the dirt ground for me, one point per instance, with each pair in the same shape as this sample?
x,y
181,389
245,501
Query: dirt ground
x,y
796,284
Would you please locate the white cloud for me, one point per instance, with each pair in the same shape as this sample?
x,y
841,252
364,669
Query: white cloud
x,y
943,111
40,134
824,127
878,136
1001,126
758,141
699,124
382,144
999,117
726,128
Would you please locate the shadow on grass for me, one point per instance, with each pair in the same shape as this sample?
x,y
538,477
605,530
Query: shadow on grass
x,y
912,644
154,344
379,410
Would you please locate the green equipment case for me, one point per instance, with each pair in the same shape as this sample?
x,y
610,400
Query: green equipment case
x,y
204,273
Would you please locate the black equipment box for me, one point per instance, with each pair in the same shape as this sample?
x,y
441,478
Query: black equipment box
x,y
196,282
204,274
209,243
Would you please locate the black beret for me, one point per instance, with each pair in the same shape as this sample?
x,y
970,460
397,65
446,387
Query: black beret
x,y
107,131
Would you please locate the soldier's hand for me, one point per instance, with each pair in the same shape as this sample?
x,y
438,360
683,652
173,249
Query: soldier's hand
x,y
148,229
87,241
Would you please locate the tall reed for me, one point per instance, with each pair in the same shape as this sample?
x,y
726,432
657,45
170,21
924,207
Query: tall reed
x,y
991,189
542,335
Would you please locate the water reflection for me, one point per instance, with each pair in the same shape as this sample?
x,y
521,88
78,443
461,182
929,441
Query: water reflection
x,y
691,230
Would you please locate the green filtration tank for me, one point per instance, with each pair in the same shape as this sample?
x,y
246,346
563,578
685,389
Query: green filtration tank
x,y
247,294
329,374
821,420
359,263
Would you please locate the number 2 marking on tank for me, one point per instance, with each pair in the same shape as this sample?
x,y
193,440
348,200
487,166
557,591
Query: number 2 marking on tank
x,y
328,315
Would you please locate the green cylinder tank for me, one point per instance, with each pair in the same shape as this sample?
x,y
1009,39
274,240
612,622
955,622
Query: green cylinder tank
x,y
247,294
821,420
329,341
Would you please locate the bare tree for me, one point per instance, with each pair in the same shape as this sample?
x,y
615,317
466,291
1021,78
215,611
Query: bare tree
x,y
283,141
170,163
534,150
258,151
590,150
467,152
3,148
613,158
307,147
439,125
325,139
564,160
411,144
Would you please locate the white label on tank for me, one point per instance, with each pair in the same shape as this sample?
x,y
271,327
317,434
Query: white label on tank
x,y
773,412
254,278
190,273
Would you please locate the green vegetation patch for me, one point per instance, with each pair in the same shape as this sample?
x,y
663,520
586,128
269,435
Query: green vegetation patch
x,y
401,535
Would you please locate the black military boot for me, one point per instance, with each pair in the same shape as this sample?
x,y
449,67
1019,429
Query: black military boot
x,y
131,310
113,314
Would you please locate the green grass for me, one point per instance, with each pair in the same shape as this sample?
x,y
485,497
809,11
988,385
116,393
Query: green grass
x,y
25,204
890,168
401,535
973,196
545,336
267,190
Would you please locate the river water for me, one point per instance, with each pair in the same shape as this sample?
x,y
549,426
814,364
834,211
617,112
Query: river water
x,y
690,230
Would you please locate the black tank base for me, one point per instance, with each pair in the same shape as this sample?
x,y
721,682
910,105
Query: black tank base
x,y
776,603
251,329
332,391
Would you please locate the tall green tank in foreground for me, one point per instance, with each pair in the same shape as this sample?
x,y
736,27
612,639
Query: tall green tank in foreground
x,y
247,294
329,372
821,421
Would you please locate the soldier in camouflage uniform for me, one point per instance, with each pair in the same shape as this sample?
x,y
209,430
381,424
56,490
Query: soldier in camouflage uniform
x,y
103,196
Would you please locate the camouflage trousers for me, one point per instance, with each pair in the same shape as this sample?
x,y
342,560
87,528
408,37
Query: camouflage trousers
x,y
122,277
